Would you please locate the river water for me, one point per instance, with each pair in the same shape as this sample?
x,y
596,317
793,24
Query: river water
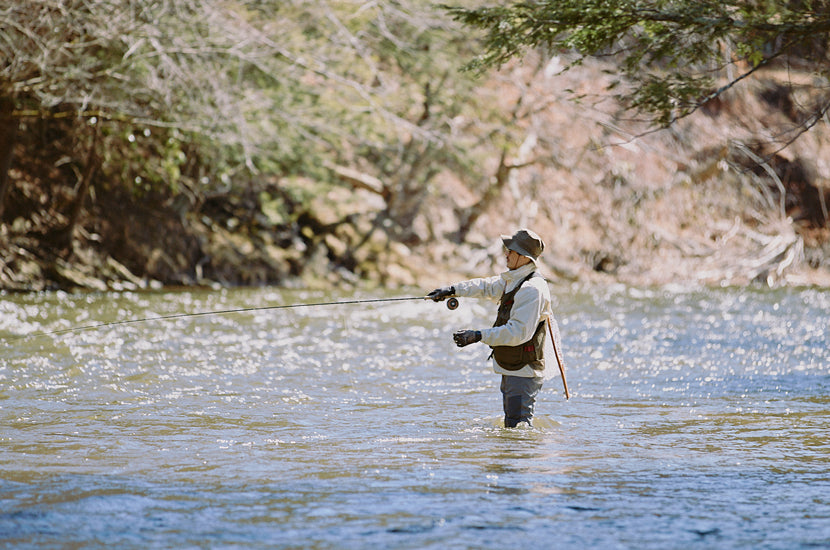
x,y
697,419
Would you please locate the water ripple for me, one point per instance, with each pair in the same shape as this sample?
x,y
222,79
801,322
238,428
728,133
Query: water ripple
x,y
697,419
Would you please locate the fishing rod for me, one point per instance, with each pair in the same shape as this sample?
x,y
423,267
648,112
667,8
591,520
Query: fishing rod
x,y
452,303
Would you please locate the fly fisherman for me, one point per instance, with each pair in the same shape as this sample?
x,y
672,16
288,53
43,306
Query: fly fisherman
x,y
518,336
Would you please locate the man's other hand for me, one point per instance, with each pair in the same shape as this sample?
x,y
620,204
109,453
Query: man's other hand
x,y
466,337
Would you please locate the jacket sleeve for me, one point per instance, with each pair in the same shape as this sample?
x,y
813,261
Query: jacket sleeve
x,y
528,304
491,287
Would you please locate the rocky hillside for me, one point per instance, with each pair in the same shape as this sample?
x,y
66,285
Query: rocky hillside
x,y
720,198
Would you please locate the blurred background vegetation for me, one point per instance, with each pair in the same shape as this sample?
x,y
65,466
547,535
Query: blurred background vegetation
x,y
348,143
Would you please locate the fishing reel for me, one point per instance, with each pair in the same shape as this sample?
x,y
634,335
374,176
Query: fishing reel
x,y
452,303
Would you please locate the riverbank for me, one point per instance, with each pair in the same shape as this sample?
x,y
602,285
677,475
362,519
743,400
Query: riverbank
x,y
739,256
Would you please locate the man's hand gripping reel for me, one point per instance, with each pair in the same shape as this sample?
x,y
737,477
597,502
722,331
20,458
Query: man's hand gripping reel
x,y
441,294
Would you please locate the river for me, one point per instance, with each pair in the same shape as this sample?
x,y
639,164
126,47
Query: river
x,y
697,419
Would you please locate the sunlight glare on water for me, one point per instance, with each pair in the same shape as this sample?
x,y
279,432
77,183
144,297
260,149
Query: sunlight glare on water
x,y
698,419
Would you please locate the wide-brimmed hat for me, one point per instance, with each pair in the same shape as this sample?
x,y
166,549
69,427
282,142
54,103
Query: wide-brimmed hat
x,y
525,242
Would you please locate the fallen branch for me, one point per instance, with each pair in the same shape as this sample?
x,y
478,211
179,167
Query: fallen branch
x,y
772,257
359,180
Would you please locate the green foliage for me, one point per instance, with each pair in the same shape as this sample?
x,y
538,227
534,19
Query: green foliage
x,y
669,50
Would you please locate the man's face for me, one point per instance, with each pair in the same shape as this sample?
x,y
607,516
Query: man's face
x,y
515,260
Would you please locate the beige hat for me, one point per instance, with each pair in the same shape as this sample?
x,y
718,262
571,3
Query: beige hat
x,y
525,242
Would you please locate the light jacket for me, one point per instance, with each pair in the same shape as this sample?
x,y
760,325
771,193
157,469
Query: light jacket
x,y
531,306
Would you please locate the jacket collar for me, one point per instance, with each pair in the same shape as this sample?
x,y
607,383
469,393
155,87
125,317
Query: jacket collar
x,y
512,277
